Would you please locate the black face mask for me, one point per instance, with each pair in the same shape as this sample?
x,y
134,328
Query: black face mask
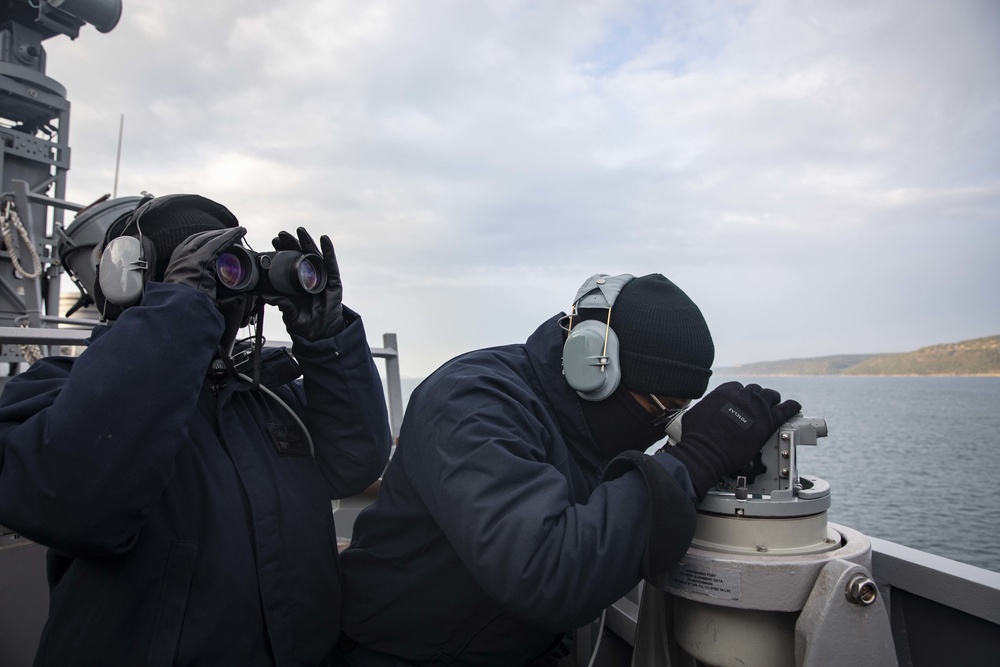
x,y
237,312
620,423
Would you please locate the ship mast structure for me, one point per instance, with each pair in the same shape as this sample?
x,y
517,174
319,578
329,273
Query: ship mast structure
x,y
35,157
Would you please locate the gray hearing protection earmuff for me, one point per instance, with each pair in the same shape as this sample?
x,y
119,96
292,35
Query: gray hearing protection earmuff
x,y
124,268
590,353
125,262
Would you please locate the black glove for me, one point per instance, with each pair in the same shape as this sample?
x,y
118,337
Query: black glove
x,y
193,261
726,429
312,316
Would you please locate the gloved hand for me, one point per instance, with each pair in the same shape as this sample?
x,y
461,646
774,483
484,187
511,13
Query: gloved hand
x,y
193,262
726,429
312,316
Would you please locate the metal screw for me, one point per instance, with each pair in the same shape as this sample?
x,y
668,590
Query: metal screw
x,y
784,453
784,472
861,590
785,436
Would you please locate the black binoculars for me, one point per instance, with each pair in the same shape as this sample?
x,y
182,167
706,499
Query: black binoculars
x,y
279,272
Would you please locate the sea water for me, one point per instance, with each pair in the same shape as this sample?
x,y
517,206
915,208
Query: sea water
x,y
912,460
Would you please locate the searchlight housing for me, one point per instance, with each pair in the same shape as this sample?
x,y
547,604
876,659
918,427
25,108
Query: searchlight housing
x,y
68,16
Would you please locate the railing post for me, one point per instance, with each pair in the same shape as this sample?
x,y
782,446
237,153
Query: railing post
x,y
394,384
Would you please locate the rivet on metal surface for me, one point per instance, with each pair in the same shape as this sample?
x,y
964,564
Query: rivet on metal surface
x,y
861,590
784,453
784,472
785,436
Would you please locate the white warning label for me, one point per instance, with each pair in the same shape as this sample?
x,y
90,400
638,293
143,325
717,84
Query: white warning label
x,y
713,582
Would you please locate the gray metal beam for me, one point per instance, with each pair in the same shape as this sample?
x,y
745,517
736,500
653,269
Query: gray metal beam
x,y
39,336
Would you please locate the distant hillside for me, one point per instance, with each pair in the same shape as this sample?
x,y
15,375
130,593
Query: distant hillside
x,y
980,356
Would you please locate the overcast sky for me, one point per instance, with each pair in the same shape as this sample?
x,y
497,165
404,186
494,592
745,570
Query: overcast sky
x,y
821,177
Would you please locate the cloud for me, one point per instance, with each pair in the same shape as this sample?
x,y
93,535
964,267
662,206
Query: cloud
x,y
820,176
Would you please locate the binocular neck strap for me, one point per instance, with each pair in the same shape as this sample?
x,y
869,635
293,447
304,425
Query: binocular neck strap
x,y
227,344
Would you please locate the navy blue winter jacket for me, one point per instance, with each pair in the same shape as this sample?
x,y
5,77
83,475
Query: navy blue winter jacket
x,y
492,534
185,527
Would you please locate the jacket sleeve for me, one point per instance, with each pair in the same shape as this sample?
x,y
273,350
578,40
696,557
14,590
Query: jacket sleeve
x,y
345,408
482,468
670,530
87,445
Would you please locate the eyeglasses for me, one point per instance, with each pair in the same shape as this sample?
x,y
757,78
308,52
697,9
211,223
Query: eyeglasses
x,y
667,415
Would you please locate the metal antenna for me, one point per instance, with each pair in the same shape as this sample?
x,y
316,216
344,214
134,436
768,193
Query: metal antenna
x,y
118,159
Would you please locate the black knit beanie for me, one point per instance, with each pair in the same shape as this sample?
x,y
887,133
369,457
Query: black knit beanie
x,y
665,345
169,229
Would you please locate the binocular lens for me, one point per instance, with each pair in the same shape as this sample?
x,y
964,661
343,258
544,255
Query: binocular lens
x,y
310,275
230,270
